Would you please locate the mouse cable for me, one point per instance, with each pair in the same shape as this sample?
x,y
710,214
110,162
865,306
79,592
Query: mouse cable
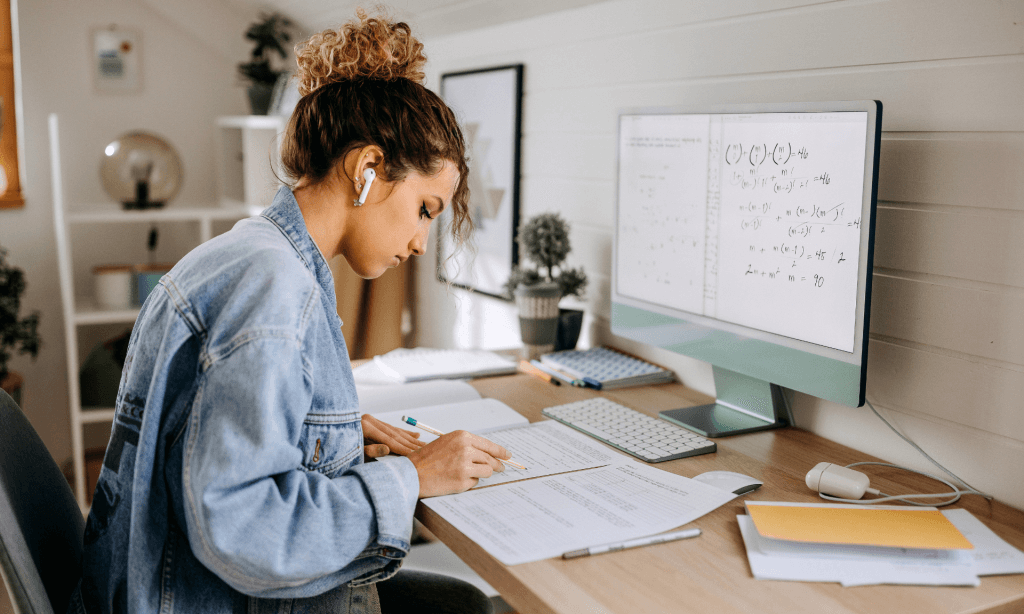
x,y
955,492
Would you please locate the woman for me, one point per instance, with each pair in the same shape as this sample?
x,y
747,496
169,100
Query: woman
x,y
235,477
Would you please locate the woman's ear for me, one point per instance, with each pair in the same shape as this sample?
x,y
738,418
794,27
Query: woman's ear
x,y
358,160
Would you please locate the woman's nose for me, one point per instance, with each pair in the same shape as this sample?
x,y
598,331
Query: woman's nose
x,y
419,242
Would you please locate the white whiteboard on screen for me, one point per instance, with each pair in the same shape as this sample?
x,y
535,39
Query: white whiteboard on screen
x,y
750,218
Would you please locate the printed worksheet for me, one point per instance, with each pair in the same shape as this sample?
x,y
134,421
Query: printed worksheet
x,y
546,448
538,519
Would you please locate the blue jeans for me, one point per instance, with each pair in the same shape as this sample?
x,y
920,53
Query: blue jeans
x,y
427,593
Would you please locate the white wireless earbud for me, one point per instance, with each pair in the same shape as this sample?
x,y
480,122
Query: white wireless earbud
x,y
368,176
829,479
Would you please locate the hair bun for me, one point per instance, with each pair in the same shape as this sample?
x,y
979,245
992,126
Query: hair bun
x,y
365,48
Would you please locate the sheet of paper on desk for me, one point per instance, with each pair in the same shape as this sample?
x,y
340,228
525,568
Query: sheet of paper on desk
x,y
546,448
543,518
992,555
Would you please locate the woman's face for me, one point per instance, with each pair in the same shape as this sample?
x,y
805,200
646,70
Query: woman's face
x,y
394,223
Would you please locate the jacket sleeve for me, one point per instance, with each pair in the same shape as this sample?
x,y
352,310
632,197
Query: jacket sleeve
x,y
264,524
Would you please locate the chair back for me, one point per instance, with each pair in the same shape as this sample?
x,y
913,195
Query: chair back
x,y
41,525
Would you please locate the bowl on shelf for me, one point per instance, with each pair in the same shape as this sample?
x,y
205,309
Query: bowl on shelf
x,y
140,170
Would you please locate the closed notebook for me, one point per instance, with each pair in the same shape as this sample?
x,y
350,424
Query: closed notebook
x,y
414,365
610,367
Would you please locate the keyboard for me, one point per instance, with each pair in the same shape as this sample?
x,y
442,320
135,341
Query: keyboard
x,y
649,439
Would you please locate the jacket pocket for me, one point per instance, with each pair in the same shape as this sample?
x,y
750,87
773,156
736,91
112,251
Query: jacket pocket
x,y
331,443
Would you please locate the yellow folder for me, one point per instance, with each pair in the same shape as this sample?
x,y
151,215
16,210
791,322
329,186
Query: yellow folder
x,y
898,527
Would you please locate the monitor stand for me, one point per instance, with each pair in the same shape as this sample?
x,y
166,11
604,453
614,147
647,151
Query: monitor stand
x,y
744,405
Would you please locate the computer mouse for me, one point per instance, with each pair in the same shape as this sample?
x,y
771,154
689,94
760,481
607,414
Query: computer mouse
x,y
736,483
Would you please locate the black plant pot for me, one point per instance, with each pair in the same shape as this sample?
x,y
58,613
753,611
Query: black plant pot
x,y
259,97
570,322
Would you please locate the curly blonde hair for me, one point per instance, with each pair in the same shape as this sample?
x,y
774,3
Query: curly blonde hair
x,y
362,84
369,48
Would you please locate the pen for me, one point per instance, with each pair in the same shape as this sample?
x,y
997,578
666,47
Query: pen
x,y
557,374
430,429
529,369
633,543
586,382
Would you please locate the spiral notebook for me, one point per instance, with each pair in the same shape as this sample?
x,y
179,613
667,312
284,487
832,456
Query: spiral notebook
x,y
612,368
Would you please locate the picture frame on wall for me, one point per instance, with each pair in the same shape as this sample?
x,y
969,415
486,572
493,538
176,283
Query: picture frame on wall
x,y
488,104
116,60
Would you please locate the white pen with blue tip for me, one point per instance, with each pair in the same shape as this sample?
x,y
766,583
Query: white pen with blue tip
x,y
430,429
633,543
586,382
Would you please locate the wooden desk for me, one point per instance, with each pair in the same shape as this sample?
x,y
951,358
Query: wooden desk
x,y
710,573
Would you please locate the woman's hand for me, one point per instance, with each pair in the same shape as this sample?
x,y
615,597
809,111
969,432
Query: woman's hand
x,y
455,462
382,439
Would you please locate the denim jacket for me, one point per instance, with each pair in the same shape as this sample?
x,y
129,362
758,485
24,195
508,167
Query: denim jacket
x,y
234,477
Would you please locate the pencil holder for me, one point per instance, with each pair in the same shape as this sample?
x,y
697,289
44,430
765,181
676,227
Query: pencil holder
x,y
538,317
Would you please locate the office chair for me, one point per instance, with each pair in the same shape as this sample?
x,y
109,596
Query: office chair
x,y
41,526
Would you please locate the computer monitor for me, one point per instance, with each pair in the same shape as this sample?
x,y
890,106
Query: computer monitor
x,y
743,238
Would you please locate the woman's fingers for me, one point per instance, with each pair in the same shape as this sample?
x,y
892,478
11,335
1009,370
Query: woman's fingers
x,y
455,462
400,441
376,450
491,448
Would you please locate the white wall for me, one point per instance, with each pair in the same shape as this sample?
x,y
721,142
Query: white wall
x,y
187,82
947,333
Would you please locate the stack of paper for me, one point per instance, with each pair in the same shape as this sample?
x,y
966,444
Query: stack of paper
x,y
413,365
856,545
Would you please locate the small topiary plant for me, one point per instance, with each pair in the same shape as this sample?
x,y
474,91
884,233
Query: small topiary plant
x,y
544,240
15,335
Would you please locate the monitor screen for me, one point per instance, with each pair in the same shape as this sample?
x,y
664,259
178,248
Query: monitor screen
x,y
743,238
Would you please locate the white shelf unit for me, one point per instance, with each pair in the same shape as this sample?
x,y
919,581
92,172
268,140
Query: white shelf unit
x,y
249,158
79,312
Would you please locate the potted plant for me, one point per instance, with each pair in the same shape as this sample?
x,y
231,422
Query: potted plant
x,y
269,34
15,335
544,240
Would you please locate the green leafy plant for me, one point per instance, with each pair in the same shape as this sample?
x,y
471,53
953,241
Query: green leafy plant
x,y
15,335
270,34
544,240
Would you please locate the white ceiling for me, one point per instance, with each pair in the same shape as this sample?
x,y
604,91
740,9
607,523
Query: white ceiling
x,y
429,18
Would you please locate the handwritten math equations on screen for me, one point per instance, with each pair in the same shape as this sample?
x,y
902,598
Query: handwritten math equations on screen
x,y
715,210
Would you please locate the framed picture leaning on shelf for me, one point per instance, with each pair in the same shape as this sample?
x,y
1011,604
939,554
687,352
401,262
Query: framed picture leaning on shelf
x,y
488,103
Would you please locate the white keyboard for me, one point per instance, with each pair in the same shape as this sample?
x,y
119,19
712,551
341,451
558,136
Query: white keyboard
x,y
649,439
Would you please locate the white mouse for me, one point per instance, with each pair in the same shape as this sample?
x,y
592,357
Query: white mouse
x,y
736,483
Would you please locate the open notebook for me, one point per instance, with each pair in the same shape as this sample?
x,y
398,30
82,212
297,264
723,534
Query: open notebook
x,y
544,448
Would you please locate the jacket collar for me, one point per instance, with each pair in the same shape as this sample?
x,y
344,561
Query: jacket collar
x,y
284,213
